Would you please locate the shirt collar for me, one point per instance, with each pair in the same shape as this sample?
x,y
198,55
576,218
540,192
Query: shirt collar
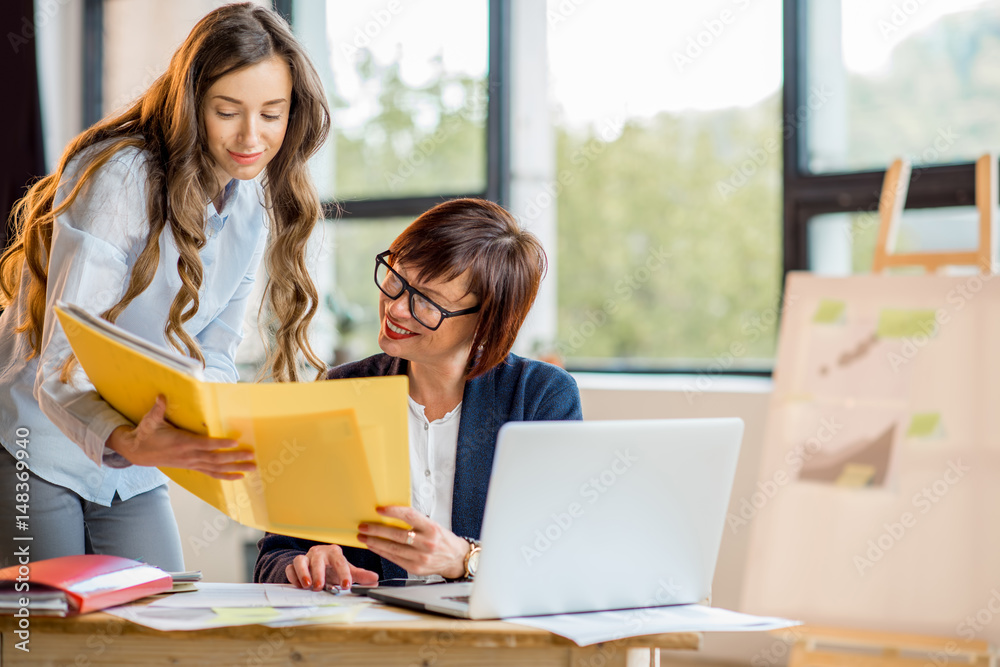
x,y
229,196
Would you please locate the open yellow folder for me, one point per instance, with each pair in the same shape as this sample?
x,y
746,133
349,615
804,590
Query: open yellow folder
x,y
327,452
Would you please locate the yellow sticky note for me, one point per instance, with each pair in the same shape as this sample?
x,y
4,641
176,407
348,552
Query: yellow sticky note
x,y
342,615
856,475
829,311
905,323
245,615
923,425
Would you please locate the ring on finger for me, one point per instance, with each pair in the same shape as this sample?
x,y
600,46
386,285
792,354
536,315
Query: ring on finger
x,y
410,536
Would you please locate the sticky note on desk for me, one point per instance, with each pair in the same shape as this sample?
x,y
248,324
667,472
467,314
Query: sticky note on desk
x,y
245,615
829,311
906,323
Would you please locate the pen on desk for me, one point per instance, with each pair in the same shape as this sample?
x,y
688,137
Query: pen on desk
x,y
335,590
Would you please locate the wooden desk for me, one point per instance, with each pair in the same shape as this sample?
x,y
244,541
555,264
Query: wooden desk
x,y
100,639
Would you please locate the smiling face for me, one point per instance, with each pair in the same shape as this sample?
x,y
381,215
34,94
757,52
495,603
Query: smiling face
x,y
402,336
246,115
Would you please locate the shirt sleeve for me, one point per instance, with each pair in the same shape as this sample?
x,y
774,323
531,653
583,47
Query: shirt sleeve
x,y
89,266
220,337
276,552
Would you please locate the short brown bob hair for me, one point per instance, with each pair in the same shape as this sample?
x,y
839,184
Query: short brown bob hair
x,y
505,264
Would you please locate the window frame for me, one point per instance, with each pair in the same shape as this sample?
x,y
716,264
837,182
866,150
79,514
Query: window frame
x,y
93,62
807,195
497,134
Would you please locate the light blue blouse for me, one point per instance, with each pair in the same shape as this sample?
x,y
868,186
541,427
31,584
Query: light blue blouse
x,y
95,243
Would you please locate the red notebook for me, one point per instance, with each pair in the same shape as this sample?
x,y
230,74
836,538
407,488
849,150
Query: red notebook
x,y
86,583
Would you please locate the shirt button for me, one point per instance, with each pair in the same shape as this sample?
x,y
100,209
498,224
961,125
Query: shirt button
x,y
427,473
426,426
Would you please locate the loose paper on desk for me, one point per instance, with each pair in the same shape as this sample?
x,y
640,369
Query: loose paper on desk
x,y
217,605
211,595
602,626
327,452
222,617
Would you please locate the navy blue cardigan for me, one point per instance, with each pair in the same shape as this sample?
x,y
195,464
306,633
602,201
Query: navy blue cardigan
x,y
516,390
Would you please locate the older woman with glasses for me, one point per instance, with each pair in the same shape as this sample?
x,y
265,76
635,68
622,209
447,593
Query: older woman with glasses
x,y
454,289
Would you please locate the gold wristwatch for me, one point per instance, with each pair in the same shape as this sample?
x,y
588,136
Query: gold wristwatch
x,y
471,562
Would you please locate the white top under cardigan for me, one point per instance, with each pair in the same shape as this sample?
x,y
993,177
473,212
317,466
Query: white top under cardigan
x,y
433,446
95,243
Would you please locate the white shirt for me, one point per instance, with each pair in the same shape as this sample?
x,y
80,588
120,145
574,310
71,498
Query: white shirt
x,y
95,243
433,446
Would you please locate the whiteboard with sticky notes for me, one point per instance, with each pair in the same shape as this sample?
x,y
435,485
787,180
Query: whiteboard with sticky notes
x,y
879,488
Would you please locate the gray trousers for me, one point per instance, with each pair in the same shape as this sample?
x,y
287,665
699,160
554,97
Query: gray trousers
x,y
61,523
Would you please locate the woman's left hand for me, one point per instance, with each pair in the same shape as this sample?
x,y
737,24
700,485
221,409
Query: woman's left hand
x,y
433,548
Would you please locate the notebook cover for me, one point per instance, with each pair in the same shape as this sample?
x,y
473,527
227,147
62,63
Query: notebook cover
x,y
92,581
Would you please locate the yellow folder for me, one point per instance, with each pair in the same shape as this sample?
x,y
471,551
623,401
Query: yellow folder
x,y
327,452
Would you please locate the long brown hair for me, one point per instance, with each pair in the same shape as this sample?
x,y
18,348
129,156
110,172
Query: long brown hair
x,y
505,264
166,122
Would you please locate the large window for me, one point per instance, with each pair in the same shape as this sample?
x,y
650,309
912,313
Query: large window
x,y
872,80
408,94
660,167
668,161
412,98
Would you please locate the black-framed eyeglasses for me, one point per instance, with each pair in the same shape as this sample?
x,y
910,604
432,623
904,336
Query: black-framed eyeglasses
x,y
422,308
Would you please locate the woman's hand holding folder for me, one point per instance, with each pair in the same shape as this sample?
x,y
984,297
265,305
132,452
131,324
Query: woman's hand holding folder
x,y
155,442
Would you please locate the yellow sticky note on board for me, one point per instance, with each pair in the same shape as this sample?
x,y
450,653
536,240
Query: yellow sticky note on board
x,y
856,475
906,323
829,311
924,425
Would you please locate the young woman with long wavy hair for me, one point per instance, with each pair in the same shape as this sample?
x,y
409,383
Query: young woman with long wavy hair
x,y
157,219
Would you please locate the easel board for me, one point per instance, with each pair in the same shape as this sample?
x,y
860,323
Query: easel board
x,y
879,497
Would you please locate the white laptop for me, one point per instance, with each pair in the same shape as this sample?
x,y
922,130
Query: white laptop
x,y
595,515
